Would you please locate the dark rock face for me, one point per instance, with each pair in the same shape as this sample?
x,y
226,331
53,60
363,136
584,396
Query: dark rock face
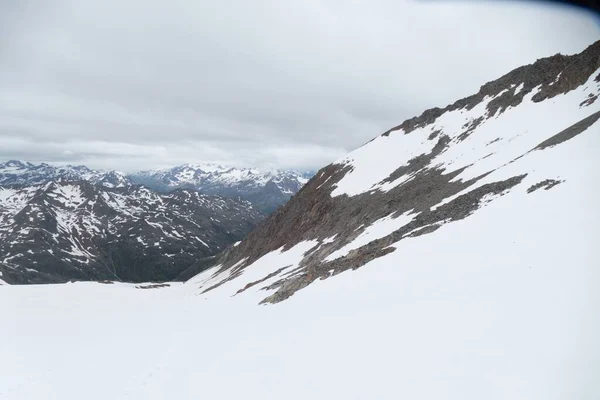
x,y
65,230
314,213
570,132
432,194
545,184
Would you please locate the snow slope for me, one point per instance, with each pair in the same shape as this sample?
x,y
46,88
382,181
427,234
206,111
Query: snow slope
x,y
519,135
466,268
465,321
497,140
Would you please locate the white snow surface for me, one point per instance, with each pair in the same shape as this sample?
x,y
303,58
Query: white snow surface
x,y
500,305
477,309
498,140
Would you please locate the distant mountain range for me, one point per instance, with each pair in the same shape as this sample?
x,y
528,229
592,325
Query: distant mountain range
x,y
62,230
265,190
23,173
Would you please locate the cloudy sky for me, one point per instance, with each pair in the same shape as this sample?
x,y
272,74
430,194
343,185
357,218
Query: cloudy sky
x,y
138,84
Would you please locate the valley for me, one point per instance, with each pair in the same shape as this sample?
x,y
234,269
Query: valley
x,y
454,256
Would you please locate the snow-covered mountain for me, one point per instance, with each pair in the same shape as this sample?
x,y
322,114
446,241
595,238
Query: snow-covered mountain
x,y
98,237
266,190
63,230
453,257
524,144
16,172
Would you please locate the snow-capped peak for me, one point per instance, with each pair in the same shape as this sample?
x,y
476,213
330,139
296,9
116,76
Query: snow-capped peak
x,y
15,172
266,189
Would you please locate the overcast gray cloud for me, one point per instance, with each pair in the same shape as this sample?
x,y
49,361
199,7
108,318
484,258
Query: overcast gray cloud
x,y
136,84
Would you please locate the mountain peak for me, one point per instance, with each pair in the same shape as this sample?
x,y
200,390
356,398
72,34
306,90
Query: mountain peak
x,y
529,130
549,76
15,172
251,184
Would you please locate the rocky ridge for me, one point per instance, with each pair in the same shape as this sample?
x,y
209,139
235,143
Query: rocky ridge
x,y
431,170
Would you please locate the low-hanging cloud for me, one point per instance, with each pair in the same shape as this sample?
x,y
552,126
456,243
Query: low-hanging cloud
x,y
137,84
